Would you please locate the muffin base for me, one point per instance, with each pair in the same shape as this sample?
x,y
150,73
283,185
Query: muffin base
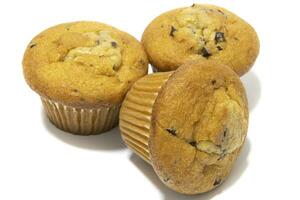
x,y
81,121
136,113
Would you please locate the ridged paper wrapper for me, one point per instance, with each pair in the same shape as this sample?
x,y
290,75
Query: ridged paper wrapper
x,y
136,113
81,121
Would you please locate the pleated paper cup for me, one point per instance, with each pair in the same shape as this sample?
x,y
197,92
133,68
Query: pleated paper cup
x,y
136,111
81,121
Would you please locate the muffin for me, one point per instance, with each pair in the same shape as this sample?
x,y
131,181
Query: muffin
x,y
82,71
189,124
200,32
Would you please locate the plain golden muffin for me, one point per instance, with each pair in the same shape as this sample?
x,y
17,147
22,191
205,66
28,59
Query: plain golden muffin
x,y
200,32
190,124
83,65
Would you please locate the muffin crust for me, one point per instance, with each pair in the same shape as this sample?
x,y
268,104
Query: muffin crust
x,y
85,64
200,32
198,126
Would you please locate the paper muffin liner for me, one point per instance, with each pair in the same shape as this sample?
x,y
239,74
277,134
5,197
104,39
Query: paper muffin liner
x,y
81,121
136,112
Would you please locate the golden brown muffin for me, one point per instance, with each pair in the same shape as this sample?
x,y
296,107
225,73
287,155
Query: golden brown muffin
x,y
82,71
189,124
200,32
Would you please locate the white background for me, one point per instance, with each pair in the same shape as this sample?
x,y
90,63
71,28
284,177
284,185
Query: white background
x,y
38,161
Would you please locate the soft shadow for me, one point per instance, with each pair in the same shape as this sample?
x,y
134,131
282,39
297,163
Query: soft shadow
x,y
110,140
253,89
168,194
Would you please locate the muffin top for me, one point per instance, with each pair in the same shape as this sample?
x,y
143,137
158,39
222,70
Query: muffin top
x,y
199,123
84,64
200,32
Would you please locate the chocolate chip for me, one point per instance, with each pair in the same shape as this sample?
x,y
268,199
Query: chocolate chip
x,y
220,11
224,136
166,179
115,67
225,132
219,48
204,52
193,143
202,40
75,90
114,44
222,155
32,45
217,181
173,30
219,37
172,131
193,5
213,82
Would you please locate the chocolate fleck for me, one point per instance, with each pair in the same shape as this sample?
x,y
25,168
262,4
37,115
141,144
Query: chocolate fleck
x,y
235,38
213,82
219,48
219,37
193,143
32,45
202,40
114,44
223,154
204,52
75,90
115,67
220,11
217,182
225,132
166,179
173,30
193,5
172,131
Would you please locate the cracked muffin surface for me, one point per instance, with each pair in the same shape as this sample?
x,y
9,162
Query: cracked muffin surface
x,y
200,32
198,126
84,63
